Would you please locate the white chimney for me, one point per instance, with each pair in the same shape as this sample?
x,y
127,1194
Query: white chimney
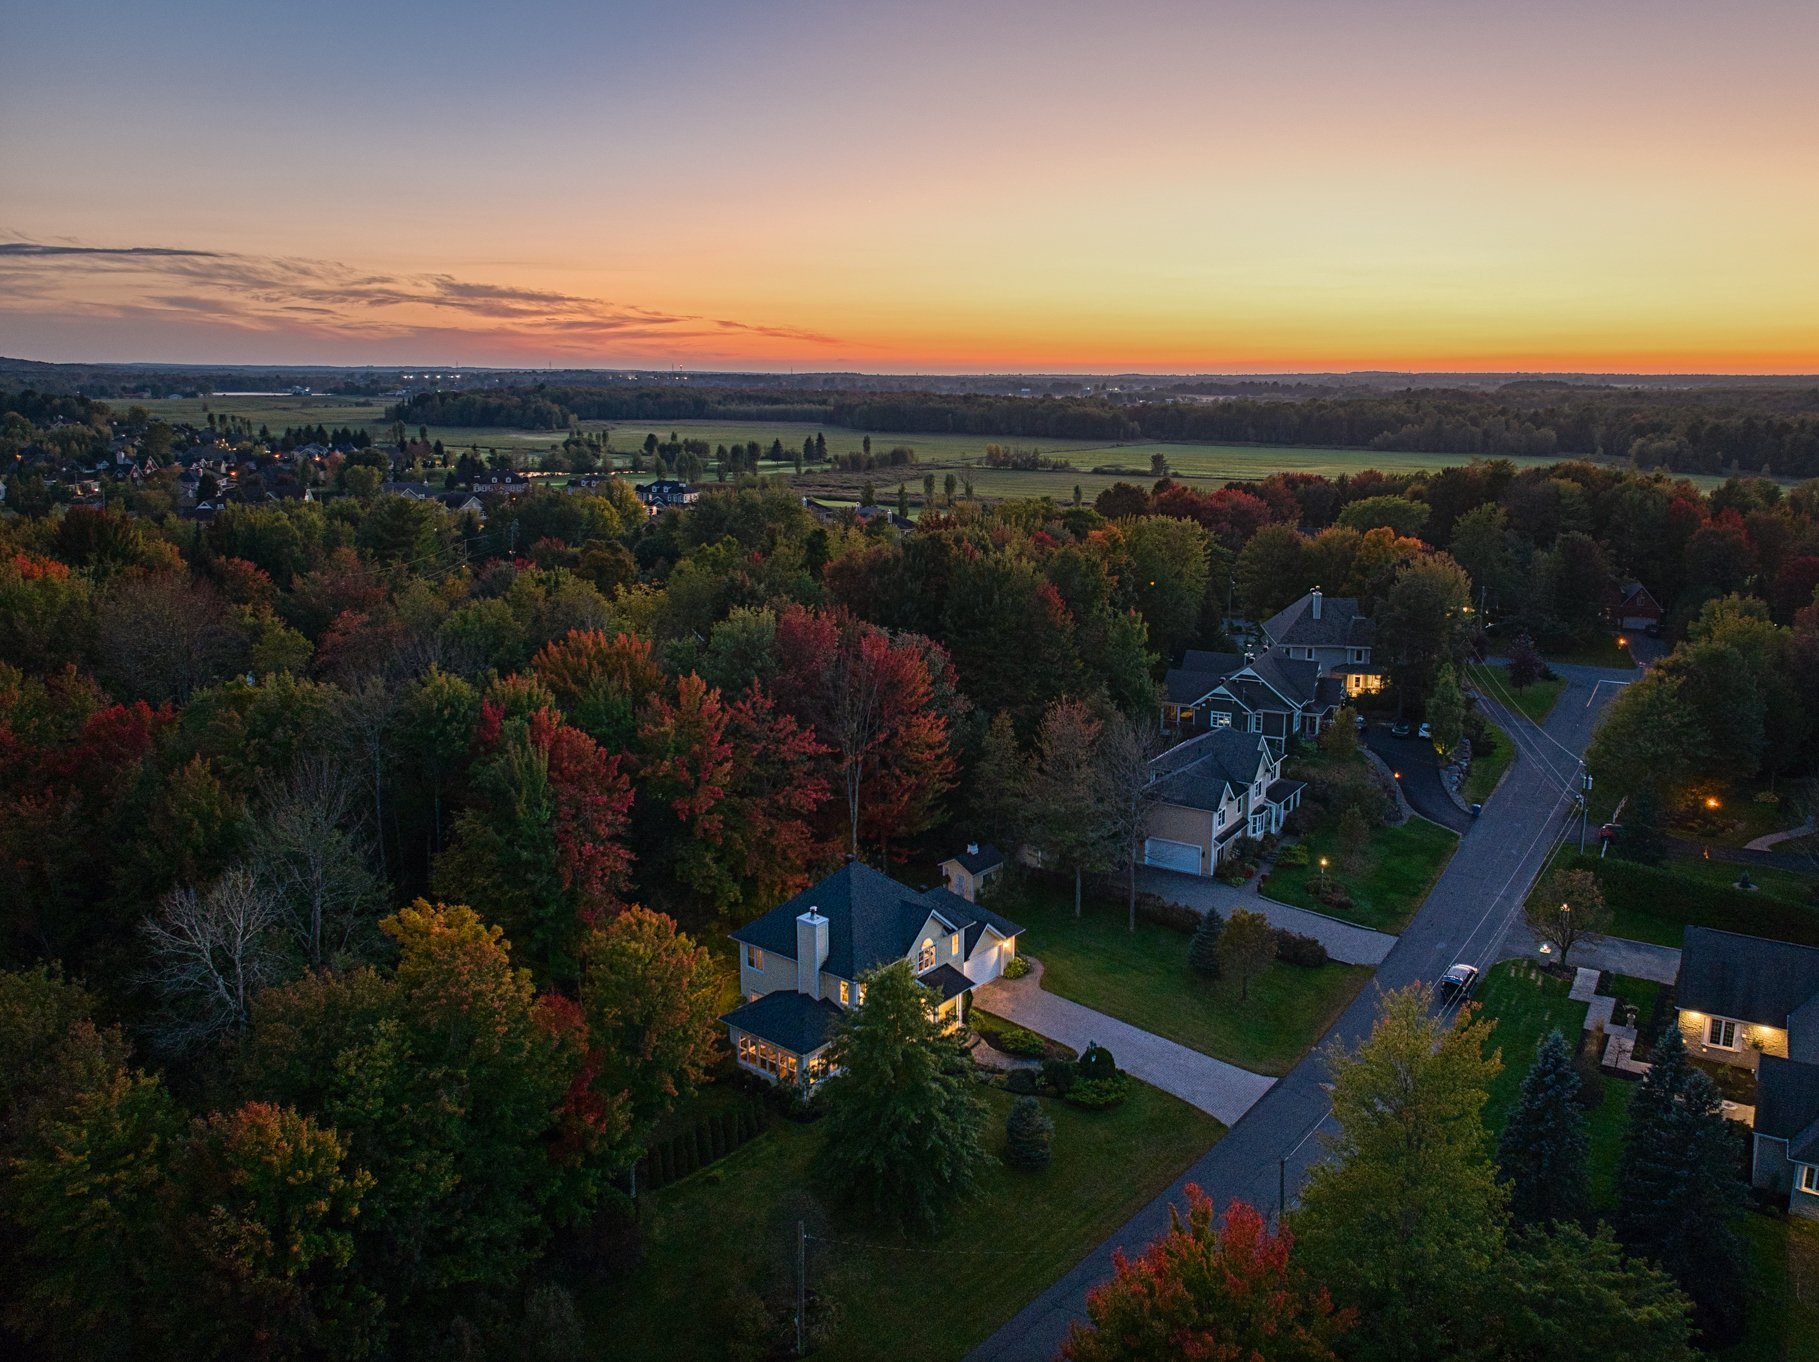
x,y
811,952
972,848
1316,597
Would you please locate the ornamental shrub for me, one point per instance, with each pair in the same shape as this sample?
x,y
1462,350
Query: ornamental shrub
x,y
1028,1135
1099,1094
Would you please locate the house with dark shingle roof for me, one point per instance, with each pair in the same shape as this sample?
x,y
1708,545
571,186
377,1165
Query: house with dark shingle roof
x,y
1333,632
1742,997
1784,1151
802,966
970,872
1265,693
1212,792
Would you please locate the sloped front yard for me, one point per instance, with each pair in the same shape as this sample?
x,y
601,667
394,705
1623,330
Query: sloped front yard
x,y
1142,978
721,1245
1396,869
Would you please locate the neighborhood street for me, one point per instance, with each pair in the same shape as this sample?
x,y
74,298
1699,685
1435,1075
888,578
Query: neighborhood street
x,y
1465,918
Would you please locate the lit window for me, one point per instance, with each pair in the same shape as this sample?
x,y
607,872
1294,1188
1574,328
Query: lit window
x,y
925,958
1721,1033
1809,1178
754,957
862,995
845,989
953,944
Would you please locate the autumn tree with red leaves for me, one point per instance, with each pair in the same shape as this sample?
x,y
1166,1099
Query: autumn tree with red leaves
x,y
729,793
869,697
599,682
540,849
1209,1293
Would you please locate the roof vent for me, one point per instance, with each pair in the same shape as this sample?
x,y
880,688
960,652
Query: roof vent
x,y
972,848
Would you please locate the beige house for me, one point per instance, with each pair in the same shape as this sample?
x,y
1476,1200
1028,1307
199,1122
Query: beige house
x,y
970,874
801,965
1212,792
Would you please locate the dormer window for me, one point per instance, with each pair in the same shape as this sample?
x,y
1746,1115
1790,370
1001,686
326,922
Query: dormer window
x,y
925,958
846,990
953,945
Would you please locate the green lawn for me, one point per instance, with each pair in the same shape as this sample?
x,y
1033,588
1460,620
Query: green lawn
x,y
1142,977
1398,868
1654,903
1536,701
734,1226
1784,1291
1487,770
1526,1004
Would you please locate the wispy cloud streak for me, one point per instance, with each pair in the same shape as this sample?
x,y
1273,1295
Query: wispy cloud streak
x,y
323,298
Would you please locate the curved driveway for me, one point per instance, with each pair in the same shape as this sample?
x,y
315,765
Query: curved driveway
x,y
1465,917
1413,760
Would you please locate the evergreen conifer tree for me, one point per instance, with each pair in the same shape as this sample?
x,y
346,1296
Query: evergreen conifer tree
x,y
1028,1134
1680,1189
1544,1145
903,1122
1203,949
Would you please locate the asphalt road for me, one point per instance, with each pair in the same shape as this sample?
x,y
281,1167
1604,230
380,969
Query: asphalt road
x,y
1414,762
1477,898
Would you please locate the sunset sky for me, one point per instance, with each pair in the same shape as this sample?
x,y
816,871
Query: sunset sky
x,y
1227,185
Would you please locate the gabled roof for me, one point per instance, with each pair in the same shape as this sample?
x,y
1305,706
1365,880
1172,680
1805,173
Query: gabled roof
x,y
871,919
1341,624
795,1021
1787,1105
1199,773
974,862
1746,977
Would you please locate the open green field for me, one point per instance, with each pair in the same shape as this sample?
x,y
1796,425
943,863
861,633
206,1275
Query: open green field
x,y
720,1245
1396,869
1536,701
1142,977
940,454
1488,769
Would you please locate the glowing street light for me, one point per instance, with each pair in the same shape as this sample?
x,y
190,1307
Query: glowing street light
x,y
1711,801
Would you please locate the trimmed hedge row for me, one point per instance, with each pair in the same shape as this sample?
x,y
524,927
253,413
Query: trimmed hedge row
x,y
708,1140
1659,893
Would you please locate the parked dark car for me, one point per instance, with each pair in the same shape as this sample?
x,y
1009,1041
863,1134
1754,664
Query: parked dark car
x,y
1458,981
1400,729
1360,722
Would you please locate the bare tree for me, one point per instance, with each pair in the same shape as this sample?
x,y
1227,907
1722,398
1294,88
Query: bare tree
x,y
1070,807
320,872
211,952
366,718
1126,750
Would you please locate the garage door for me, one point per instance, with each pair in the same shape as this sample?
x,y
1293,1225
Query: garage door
x,y
1182,856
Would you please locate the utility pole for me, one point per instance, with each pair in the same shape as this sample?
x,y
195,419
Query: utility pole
x,y
1585,806
1281,1189
801,1287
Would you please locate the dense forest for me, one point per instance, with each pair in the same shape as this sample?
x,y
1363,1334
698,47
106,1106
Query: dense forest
x,y
357,854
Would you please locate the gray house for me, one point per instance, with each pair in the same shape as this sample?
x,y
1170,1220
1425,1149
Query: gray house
x,y
1332,631
1268,693
801,965
1212,792
1784,1153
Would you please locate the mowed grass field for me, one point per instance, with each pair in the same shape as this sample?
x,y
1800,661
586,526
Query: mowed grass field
x,y
1210,465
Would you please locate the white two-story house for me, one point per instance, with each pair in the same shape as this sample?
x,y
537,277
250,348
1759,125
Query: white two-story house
x,y
1212,792
802,965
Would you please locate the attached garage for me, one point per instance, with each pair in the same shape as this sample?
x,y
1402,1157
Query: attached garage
x,y
1182,856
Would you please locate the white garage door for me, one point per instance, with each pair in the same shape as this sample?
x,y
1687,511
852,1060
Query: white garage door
x,y
1182,856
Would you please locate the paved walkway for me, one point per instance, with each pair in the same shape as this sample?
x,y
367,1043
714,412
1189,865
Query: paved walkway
x,y
1343,941
1613,955
1769,841
1464,918
1221,1090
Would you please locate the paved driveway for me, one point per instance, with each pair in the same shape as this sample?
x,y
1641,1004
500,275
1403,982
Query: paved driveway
x,y
1465,917
1614,954
1343,941
1221,1090
1414,761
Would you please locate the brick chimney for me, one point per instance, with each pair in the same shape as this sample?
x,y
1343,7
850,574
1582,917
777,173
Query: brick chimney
x,y
811,951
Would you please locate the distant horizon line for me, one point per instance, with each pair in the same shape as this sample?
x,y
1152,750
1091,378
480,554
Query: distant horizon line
x,y
1235,375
